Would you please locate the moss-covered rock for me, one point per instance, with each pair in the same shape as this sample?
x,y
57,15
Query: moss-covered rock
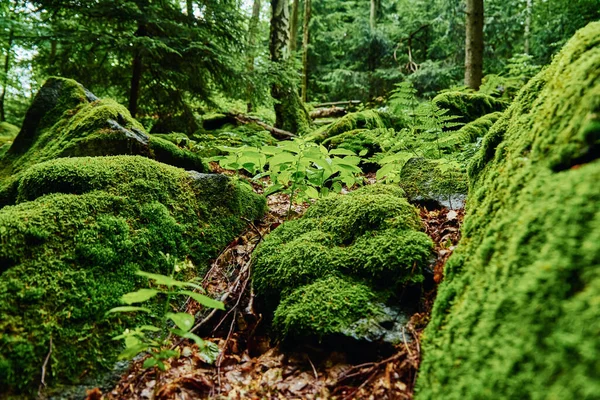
x,y
368,119
468,106
207,143
66,120
370,236
80,229
517,315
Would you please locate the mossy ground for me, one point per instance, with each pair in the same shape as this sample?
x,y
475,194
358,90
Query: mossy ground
x,y
80,229
370,237
517,314
8,133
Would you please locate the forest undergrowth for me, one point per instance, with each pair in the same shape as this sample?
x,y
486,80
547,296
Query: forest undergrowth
x,y
253,365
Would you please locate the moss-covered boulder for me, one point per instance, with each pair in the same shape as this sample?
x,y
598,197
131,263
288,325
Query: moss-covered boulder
x,y
468,106
354,122
66,120
369,240
517,316
70,246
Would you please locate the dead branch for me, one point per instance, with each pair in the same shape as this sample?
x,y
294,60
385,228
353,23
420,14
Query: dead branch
x,y
328,112
247,119
339,103
43,380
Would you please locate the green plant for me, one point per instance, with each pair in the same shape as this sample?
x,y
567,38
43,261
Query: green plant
x,y
154,339
303,169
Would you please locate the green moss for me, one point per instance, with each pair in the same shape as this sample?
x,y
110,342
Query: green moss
x,y
72,243
517,315
8,133
325,307
207,142
468,106
65,120
368,119
169,153
370,235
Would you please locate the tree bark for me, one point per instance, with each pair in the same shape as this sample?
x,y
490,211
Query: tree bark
x,y
136,75
252,32
5,76
474,44
527,35
290,113
305,42
294,26
373,14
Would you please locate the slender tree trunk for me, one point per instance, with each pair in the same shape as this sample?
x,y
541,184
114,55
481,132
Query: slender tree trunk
x,y
5,76
252,32
474,44
373,15
290,113
136,75
305,41
294,26
527,35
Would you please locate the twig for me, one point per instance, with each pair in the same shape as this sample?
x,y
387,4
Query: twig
x,y
43,380
362,385
313,368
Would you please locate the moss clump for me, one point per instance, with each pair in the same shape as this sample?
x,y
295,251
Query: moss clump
x,y
468,106
65,120
169,153
207,143
370,235
368,119
325,307
517,315
80,229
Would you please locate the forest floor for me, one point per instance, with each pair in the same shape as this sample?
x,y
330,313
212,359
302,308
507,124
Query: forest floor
x,y
252,365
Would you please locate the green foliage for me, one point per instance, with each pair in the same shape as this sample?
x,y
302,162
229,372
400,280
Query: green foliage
x,y
369,236
300,168
154,338
72,243
516,316
368,119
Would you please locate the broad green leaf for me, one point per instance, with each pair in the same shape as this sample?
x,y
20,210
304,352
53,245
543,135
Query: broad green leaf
x,y
139,296
282,158
204,300
184,321
161,279
342,152
273,189
131,352
150,328
363,152
383,172
149,362
189,335
128,309
271,150
312,193
161,365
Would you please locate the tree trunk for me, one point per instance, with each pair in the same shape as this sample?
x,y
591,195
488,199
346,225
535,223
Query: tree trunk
x,y
527,35
305,41
252,32
136,75
373,15
294,26
474,44
290,113
5,76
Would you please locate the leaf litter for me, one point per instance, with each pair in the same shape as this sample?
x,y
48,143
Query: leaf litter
x,y
251,365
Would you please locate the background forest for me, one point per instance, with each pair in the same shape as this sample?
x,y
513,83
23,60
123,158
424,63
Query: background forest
x,y
186,57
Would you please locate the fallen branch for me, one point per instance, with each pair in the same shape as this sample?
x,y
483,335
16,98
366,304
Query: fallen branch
x,y
43,380
328,112
339,103
247,119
